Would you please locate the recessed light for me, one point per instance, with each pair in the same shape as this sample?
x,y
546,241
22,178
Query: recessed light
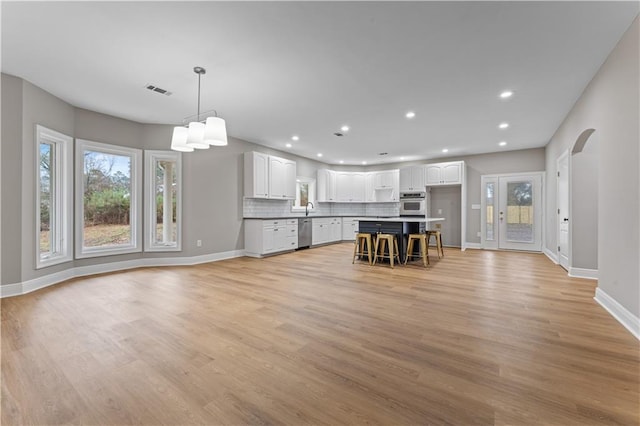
x,y
344,128
341,161
288,145
401,158
319,154
410,114
445,150
364,162
295,138
503,143
503,125
506,94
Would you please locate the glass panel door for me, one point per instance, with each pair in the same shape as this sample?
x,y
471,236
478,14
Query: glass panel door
x,y
489,213
519,215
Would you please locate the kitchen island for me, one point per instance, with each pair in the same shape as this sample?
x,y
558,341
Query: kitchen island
x,y
400,226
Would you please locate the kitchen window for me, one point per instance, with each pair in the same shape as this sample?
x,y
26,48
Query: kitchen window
x,y
108,199
305,193
54,204
163,200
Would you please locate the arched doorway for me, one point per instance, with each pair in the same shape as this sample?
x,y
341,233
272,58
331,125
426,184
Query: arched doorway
x,y
580,224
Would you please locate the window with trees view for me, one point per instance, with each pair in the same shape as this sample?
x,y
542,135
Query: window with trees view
x,y
163,171
108,191
54,216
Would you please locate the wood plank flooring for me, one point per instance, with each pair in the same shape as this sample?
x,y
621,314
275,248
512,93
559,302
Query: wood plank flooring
x,y
480,337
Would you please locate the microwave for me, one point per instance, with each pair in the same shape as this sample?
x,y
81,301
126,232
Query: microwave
x,y
413,204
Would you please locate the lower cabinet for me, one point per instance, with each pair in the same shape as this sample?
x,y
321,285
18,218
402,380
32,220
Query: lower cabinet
x,y
262,237
326,230
349,229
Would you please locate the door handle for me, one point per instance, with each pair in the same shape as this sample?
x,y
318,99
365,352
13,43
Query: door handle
x,y
566,219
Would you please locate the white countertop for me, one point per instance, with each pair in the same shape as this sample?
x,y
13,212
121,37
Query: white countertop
x,y
400,219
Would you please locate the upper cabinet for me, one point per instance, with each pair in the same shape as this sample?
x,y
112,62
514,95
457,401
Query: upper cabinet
x,y
350,187
267,176
326,185
412,178
450,173
357,187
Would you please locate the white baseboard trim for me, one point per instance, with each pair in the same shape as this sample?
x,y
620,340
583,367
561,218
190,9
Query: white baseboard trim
x,y
25,287
619,312
475,246
551,255
590,274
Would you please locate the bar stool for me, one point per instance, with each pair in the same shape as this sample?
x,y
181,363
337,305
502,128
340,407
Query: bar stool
x,y
391,241
438,237
361,240
424,251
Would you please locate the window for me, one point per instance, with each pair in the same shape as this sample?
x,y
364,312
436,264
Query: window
x,y
54,211
163,200
305,193
108,199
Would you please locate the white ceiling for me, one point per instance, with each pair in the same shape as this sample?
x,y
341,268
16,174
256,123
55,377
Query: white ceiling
x,y
307,68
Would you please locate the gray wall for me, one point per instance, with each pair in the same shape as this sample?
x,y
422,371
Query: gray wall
x,y
610,105
448,199
584,206
212,179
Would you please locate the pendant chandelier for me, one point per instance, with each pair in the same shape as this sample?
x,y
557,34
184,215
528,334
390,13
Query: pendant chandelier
x,y
199,134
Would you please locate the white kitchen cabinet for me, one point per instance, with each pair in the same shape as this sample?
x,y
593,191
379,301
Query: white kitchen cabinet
x,y
256,175
369,192
450,173
412,178
320,231
326,185
386,186
350,186
349,229
267,176
335,229
263,237
292,234
282,178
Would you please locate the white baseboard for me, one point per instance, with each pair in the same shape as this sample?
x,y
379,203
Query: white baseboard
x,y
475,246
551,255
25,287
590,274
619,312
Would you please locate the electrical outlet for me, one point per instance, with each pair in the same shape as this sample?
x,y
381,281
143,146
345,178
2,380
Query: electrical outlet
x,y
439,211
199,243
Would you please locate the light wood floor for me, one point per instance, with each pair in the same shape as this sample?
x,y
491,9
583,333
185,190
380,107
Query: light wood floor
x,y
480,337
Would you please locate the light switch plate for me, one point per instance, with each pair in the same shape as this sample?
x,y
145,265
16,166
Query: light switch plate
x,y
439,211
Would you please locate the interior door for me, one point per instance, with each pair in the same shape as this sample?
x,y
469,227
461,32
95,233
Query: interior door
x,y
520,212
563,210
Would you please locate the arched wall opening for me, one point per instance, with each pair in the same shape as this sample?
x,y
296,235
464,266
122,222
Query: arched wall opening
x,y
584,201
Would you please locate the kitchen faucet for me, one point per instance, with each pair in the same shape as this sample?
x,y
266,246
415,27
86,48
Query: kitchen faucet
x,y
306,208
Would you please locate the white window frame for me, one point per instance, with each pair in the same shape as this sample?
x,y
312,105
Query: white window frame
x,y
62,205
135,218
150,159
296,207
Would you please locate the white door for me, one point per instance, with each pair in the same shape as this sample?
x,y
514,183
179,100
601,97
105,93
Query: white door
x,y
520,212
563,210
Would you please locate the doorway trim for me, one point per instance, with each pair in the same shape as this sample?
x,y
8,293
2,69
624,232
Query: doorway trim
x,y
561,157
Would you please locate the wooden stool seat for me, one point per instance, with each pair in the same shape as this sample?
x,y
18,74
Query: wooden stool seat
x,y
363,239
391,241
438,237
424,251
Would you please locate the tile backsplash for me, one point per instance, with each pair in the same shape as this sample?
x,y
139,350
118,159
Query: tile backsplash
x,y
260,208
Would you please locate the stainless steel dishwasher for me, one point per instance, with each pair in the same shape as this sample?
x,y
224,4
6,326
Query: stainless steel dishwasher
x,y
304,232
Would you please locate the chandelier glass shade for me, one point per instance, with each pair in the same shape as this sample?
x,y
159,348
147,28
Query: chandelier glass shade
x,y
199,134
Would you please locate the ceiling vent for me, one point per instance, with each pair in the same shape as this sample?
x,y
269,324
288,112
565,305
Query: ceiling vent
x,y
338,134
158,89
383,153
